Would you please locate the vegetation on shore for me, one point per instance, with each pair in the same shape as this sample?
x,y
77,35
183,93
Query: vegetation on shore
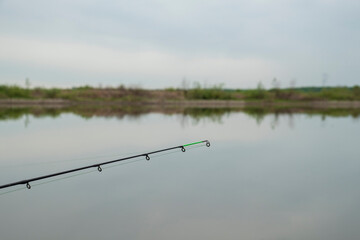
x,y
198,92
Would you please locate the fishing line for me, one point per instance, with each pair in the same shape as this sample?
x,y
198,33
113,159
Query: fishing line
x,y
119,164
190,147
91,171
62,178
156,154
14,190
186,148
85,158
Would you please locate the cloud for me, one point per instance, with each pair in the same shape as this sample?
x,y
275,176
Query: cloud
x,y
109,61
241,42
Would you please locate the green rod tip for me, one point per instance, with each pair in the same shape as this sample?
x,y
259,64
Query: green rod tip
x,y
195,143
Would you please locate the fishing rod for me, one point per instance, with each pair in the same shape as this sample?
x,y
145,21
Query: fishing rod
x,y
98,165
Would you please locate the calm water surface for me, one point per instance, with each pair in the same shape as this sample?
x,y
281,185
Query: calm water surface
x,y
277,177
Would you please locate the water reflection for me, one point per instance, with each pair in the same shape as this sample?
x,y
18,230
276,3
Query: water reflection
x,y
252,183
187,116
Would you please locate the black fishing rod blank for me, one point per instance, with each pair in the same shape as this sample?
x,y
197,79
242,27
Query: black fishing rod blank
x,y
98,165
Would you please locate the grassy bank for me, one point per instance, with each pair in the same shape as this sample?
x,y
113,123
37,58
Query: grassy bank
x,y
198,92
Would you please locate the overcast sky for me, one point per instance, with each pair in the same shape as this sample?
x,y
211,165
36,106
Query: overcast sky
x,y
156,44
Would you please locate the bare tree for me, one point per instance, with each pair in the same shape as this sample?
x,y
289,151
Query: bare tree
x,y
275,83
293,83
184,84
325,77
27,83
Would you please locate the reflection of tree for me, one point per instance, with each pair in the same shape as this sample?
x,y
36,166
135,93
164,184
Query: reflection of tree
x,y
257,113
192,116
206,114
27,120
291,121
275,121
11,114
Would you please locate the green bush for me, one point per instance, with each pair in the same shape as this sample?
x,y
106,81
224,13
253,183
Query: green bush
x,y
356,91
258,94
216,92
52,93
337,94
14,92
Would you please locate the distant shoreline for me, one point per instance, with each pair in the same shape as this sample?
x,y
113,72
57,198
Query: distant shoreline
x,y
194,97
48,103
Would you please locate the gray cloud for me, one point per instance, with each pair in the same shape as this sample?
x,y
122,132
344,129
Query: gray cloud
x,y
303,38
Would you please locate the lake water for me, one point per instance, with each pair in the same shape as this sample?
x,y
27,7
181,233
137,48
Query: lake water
x,y
272,176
